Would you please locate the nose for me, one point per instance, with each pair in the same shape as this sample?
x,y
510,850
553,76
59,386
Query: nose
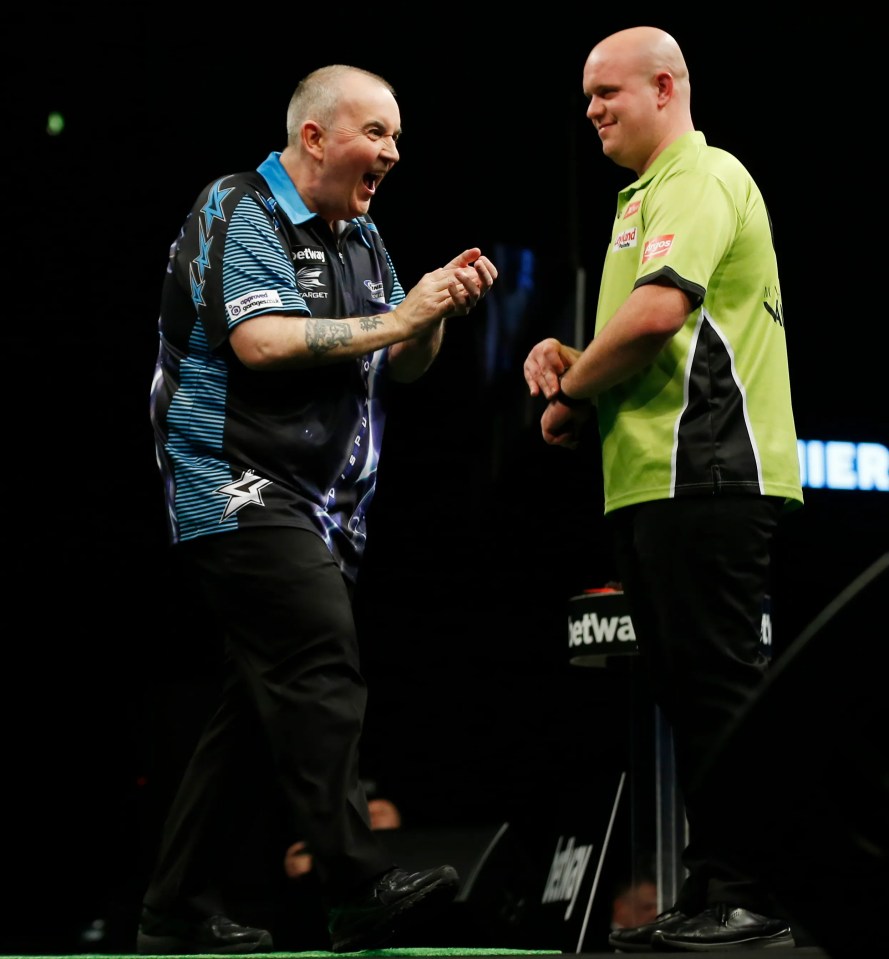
x,y
594,108
390,150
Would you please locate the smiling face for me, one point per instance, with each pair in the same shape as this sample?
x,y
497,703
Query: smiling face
x,y
637,85
358,148
623,107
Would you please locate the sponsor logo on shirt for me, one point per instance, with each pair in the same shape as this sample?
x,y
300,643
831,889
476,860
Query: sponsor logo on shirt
x,y
625,240
251,302
375,288
659,246
632,208
307,253
308,280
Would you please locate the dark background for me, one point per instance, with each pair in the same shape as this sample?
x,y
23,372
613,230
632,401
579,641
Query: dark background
x,y
480,533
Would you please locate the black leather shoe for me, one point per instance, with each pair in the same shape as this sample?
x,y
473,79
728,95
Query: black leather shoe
x,y
163,935
638,938
724,926
393,900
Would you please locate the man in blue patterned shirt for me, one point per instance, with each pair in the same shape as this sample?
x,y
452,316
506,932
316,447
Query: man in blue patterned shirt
x,y
282,323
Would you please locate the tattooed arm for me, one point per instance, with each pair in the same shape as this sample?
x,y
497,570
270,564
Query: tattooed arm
x,y
275,341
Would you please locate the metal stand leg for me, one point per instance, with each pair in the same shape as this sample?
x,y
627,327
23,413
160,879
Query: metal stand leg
x,y
672,827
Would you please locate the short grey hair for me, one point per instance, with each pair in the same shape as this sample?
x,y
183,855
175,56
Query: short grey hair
x,y
317,96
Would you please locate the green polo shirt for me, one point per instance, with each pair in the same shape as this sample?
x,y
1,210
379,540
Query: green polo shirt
x,y
713,413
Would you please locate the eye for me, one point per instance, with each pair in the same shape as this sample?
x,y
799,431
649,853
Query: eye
x,y
378,133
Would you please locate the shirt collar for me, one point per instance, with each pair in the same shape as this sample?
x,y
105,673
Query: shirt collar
x,y
691,140
272,171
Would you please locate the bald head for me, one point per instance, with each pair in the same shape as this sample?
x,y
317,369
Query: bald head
x,y
318,95
637,84
644,49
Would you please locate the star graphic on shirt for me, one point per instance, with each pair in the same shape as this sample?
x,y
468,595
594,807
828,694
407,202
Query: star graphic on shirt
x,y
213,207
247,489
203,258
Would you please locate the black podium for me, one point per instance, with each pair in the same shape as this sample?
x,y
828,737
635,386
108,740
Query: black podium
x,y
601,634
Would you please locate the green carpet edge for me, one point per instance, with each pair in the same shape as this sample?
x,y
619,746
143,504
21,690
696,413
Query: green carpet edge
x,y
412,951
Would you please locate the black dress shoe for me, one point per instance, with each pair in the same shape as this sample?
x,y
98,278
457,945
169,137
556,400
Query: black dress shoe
x,y
638,938
164,935
724,926
371,919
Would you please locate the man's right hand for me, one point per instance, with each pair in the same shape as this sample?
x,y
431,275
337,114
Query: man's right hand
x,y
545,365
452,290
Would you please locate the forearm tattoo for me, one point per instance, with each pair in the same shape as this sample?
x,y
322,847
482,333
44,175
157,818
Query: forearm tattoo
x,y
325,335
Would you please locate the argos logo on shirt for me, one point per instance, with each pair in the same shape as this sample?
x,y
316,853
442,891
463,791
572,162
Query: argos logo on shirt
x,y
625,239
659,246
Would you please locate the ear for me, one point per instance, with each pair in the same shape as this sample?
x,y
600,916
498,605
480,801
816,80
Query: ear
x,y
664,83
313,138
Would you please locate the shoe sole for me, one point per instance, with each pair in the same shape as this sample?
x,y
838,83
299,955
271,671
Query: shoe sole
x,y
622,947
649,946
400,917
148,945
783,940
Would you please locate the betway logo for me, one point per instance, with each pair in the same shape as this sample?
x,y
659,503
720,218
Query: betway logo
x,y
592,629
309,254
566,874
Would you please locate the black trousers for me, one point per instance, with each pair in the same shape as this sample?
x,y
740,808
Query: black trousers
x,y
292,707
695,571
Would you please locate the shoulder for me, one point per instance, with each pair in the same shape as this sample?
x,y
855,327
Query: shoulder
x,y
700,177
722,163
234,182
220,196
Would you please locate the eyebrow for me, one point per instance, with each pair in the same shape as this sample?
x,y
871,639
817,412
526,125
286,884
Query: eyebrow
x,y
379,123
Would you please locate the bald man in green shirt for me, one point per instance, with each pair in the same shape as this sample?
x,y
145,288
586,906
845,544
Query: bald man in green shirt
x,y
688,376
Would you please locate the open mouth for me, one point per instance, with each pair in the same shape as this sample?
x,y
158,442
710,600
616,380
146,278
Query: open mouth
x,y
371,181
